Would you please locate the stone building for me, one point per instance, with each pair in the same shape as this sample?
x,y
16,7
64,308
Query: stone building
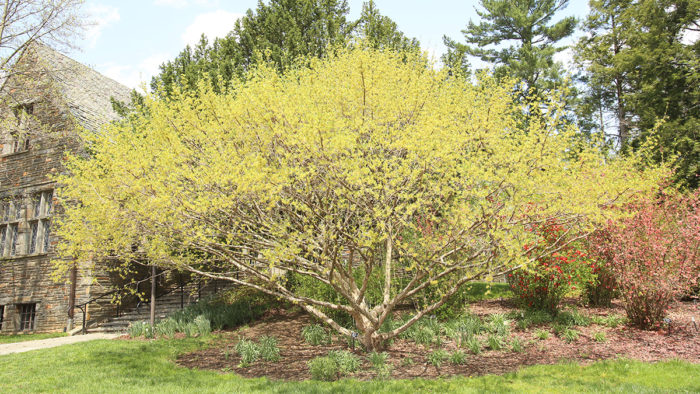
x,y
45,99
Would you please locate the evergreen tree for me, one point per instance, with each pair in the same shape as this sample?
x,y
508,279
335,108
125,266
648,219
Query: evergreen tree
x,y
641,71
279,32
526,23
380,31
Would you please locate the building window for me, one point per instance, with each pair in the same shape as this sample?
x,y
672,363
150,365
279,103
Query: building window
x,y
22,113
3,238
47,234
17,139
5,210
11,213
12,233
33,236
27,314
40,225
2,314
16,209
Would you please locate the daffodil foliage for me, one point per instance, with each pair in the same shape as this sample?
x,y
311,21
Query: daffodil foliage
x,y
365,164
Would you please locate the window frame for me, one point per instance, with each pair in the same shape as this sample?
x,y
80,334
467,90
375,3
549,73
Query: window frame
x,y
19,140
27,310
42,209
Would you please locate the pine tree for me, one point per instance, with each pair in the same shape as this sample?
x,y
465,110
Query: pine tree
x,y
280,32
641,72
530,60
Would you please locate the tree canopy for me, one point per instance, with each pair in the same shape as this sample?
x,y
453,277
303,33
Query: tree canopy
x,y
641,70
518,38
279,32
367,173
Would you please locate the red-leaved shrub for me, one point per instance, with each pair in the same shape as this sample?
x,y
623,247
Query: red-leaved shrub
x,y
545,282
654,255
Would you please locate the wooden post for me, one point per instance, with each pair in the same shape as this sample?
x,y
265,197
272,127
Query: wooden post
x,y
153,296
71,297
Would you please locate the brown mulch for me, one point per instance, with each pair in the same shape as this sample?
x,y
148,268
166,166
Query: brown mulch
x,y
682,342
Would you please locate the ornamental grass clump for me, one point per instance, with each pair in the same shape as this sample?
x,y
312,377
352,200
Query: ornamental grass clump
x,y
269,351
653,255
335,364
437,357
315,335
249,352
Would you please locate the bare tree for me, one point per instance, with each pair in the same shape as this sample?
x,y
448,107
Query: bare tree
x,y
55,23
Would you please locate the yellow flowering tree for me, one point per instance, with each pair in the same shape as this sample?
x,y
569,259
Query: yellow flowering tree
x,y
366,164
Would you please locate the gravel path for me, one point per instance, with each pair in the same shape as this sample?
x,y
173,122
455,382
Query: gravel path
x,y
20,347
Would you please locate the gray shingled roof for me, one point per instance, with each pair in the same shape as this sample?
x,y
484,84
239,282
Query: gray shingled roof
x,y
86,92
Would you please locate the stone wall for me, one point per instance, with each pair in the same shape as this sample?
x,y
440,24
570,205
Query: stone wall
x,y
25,277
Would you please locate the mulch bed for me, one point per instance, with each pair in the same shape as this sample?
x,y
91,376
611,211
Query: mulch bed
x,y
682,342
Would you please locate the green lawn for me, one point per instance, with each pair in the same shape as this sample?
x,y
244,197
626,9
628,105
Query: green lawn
x,y
29,337
477,291
147,366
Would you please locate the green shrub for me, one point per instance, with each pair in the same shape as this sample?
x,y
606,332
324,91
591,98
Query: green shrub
x,y
249,352
474,345
407,362
437,357
458,357
315,335
269,351
229,309
324,368
603,288
542,334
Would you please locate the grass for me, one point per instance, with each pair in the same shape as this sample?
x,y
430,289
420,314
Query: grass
x,y
147,366
479,291
13,338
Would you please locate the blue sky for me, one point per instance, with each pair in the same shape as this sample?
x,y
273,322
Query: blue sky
x,y
130,38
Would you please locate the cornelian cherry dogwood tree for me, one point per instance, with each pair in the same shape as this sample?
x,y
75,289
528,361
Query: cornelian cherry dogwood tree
x,y
333,172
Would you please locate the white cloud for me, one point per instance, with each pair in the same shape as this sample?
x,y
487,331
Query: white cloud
x,y
135,76
102,16
212,24
185,3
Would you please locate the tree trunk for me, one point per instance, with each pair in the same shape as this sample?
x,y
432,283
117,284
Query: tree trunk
x,y
153,296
